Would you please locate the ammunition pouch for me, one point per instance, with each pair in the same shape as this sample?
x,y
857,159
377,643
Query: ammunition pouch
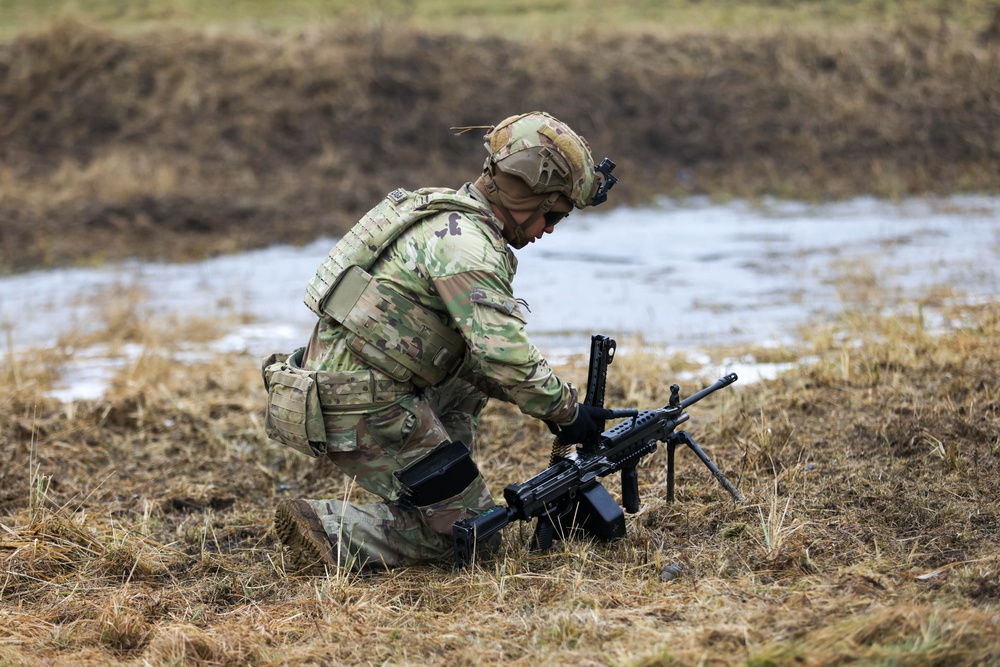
x,y
294,415
299,402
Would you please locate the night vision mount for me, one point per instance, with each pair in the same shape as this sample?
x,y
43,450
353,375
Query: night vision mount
x,y
604,169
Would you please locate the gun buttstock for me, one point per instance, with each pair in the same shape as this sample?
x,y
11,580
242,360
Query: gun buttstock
x,y
469,533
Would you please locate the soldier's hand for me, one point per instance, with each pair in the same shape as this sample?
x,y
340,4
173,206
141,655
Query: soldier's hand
x,y
585,428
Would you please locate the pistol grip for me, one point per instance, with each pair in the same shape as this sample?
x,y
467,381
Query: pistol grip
x,y
544,533
630,489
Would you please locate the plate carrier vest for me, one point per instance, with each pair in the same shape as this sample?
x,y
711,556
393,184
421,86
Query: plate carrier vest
x,y
399,337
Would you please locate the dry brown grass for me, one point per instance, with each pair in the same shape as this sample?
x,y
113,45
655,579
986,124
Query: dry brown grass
x,y
136,529
181,143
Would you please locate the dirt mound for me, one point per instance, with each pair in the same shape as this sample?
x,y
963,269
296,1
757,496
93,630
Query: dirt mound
x,y
179,144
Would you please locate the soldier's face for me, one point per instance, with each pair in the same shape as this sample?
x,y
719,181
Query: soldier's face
x,y
537,230
531,233
538,227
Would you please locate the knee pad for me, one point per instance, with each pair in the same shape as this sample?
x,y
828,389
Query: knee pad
x,y
445,472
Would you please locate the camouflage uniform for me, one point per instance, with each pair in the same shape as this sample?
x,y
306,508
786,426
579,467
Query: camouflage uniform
x,y
457,265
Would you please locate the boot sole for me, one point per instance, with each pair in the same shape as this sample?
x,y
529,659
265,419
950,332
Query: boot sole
x,y
309,550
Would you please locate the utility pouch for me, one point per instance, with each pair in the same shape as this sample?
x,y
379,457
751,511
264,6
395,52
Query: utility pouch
x,y
443,473
294,416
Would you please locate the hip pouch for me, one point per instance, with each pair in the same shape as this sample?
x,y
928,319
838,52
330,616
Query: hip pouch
x,y
294,416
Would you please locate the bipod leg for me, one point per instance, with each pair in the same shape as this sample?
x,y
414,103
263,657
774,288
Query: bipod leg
x,y
684,437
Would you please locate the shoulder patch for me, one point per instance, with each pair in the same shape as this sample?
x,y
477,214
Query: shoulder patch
x,y
492,299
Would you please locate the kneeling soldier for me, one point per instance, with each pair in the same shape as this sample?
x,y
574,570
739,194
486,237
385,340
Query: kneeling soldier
x,y
418,326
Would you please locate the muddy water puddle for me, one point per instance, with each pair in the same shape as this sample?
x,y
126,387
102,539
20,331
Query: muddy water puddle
x,y
679,275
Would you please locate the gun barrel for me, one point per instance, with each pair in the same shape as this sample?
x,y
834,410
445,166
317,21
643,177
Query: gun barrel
x,y
722,382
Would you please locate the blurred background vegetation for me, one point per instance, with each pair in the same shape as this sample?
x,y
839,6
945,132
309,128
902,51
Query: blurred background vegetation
x,y
513,18
178,129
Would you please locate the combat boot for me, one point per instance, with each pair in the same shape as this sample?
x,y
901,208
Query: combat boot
x,y
309,549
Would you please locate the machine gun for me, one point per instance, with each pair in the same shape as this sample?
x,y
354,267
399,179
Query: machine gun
x,y
568,497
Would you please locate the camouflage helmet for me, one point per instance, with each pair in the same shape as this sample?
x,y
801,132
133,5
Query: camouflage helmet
x,y
544,153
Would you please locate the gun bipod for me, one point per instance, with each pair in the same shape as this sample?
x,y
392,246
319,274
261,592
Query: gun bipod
x,y
683,437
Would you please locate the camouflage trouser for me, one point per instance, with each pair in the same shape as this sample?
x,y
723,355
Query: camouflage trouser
x,y
390,534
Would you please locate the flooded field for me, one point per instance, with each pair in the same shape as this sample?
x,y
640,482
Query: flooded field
x,y
680,275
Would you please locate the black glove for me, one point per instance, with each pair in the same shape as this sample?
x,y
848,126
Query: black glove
x,y
586,428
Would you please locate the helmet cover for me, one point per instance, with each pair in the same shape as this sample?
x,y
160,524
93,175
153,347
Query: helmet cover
x,y
544,153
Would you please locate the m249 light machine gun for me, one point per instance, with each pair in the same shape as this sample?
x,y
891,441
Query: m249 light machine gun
x,y
568,496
